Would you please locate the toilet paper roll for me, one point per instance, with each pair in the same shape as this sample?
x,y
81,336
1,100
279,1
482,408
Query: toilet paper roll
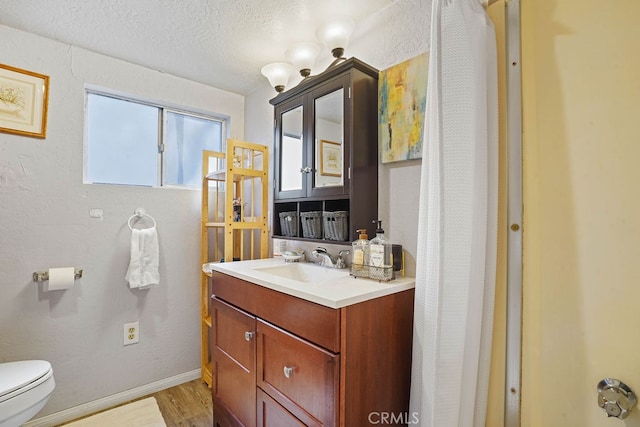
x,y
60,278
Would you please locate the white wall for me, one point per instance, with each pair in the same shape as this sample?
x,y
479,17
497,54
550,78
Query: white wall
x,y
397,33
44,222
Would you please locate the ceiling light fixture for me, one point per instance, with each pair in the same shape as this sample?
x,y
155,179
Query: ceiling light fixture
x,y
334,34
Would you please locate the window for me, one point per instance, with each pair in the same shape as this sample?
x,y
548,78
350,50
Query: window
x,y
136,143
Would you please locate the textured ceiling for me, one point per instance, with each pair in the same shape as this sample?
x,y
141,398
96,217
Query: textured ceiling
x,y
222,43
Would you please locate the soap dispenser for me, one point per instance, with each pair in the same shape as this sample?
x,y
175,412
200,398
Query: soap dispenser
x,y
380,263
360,260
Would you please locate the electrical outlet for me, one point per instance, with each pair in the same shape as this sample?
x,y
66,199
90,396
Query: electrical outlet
x,y
131,333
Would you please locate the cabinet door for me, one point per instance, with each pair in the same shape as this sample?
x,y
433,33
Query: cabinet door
x,y
271,414
291,165
330,153
300,376
234,364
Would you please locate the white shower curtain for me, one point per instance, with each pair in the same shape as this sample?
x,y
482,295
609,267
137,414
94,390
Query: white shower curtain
x,y
457,231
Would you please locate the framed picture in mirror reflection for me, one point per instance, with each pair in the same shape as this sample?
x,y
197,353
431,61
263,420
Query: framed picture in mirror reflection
x,y
330,158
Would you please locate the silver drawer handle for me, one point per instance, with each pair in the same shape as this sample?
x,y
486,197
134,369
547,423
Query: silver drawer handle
x,y
288,371
249,335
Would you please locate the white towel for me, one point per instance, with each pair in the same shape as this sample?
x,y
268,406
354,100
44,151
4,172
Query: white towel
x,y
143,266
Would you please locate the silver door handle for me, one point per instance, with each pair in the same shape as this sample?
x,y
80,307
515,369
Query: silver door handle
x,y
306,169
249,335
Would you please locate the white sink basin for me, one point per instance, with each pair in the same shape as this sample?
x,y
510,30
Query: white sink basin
x,y
333,288
303,272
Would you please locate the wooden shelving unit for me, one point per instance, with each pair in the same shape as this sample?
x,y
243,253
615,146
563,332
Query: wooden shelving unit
x,y
234,218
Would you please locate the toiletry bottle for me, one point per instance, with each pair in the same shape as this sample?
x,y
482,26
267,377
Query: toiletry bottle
x,y
360,260
380,264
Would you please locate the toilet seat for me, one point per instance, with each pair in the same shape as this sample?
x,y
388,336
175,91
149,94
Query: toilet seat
x,y
19,377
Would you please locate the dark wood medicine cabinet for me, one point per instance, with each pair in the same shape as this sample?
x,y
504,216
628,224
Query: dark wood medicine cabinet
x,y
326,153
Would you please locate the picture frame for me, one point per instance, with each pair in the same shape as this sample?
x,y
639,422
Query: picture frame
x,y
402,104
24,97
330,158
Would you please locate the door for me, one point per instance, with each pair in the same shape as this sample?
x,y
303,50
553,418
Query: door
x,y
312,146
234,365
291,165
581,224
270,413
329,152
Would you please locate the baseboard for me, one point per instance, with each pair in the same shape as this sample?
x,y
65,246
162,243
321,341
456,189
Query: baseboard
x,y
67,415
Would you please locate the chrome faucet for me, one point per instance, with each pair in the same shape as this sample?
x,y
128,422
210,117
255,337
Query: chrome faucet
x,y
330,261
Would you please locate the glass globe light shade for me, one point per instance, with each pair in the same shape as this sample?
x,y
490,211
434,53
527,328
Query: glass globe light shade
x,y
278,74
336,32
303,56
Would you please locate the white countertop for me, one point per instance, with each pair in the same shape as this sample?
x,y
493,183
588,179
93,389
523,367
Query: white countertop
x,y
339,290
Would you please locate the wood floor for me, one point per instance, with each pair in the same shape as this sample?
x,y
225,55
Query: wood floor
x,y
185,405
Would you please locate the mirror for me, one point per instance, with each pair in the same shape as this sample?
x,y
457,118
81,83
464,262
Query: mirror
x,y
329,149
291,149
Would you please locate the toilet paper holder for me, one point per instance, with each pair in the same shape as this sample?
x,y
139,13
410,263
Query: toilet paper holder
x,y
41,276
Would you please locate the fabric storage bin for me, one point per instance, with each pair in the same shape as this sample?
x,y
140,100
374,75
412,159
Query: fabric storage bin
x,y
311,224
289,224
335,225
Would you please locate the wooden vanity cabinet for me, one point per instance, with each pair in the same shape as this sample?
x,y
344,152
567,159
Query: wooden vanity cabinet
x,y
279,360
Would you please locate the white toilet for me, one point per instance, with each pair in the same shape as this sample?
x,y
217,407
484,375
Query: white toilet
x,y
25,387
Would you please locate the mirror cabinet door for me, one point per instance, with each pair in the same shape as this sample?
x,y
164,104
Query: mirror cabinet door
x,y
329,140
291,150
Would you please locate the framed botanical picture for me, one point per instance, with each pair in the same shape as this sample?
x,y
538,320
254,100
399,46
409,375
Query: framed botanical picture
x,y
330,158
23,102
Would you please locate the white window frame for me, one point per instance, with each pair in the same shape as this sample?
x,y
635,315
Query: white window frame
x,y
163,109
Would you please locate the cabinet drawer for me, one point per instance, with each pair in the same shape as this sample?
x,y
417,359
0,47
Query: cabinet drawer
x,y
313,322
300,376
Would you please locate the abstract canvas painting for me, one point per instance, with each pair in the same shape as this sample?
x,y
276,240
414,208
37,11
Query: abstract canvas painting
x,y
402,98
